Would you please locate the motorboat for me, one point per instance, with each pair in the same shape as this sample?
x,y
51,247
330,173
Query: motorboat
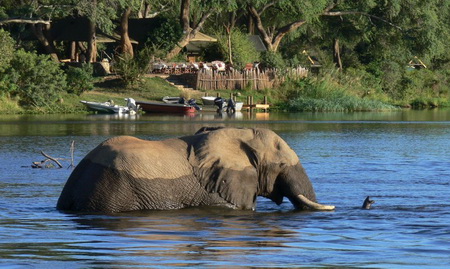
x,y
171,100
157,107
208,100
110,107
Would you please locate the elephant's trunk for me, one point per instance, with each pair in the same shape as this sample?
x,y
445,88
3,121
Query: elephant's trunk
x,y
313,205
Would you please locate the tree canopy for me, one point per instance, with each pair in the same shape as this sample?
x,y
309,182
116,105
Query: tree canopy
x,y
376,38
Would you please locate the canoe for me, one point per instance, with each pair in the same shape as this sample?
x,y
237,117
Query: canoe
x,y
156,107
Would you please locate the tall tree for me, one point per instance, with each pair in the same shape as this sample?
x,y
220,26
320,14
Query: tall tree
x,y
193,15
101,14
38,14
274,28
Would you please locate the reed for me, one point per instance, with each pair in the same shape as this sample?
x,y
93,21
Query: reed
x,y
312,94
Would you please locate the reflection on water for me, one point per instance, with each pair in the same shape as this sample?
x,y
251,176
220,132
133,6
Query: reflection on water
x,y
194,234
181,124
400,159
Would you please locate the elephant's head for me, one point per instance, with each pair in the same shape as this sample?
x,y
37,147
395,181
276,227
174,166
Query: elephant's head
x,y
241,164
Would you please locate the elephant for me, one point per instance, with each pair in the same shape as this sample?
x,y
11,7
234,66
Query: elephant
x,y
217,166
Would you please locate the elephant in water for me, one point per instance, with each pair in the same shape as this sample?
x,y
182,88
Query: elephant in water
x,y
215,167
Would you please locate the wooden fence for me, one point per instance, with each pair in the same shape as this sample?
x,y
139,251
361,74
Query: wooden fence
x,y
249,79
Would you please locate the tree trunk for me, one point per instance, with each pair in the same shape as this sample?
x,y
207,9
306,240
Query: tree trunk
x,y
251,26
266,38
282,31
125,41
184,15
188,33
38,30
179,46
337,54
230,52
184,21
92,46
73,51
144,10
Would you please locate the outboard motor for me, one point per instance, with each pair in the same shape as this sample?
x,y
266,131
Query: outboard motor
x,y
193,103
219,101
231,106
132,107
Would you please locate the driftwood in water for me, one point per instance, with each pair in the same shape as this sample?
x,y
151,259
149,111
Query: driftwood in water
x,y
45,163
72,149
42,164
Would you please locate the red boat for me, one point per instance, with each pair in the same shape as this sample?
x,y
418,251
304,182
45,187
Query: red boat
x,y
165,108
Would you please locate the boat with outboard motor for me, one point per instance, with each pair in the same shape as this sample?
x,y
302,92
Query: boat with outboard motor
x,y
110,107
228,105
180,107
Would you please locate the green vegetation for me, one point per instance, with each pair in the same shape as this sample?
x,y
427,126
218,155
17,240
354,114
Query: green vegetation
x,y
35,79
80,79
313,94
7,49
371,55
235,44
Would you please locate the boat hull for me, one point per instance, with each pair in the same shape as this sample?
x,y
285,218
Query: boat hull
x,y
208,100
155,107
171,100
105,107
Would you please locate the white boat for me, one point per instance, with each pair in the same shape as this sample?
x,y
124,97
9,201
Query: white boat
x,y
208,100
171,100
239,106
110,107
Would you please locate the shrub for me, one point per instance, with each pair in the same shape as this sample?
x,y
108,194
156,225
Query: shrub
x,y
80,79
242,49
7,49
273,60
130,69
37,79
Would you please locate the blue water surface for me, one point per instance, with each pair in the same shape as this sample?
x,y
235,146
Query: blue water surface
x,y
400,159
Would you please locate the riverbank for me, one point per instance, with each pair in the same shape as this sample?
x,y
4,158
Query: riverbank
x,y
111,88
311,94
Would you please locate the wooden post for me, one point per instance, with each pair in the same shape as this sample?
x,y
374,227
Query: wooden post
x,y
265,102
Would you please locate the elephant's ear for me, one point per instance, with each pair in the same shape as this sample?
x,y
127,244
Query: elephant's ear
x,y
226,164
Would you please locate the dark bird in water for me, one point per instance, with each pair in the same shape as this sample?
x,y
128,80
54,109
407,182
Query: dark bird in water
x,y
367,203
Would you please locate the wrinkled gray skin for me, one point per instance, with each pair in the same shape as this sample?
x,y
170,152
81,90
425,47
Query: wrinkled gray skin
x,y
217,166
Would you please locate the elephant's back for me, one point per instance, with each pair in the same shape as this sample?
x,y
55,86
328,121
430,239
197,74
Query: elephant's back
x,y
106,179
143,158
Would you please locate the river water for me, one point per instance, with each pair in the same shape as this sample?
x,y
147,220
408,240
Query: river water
x,y
400,159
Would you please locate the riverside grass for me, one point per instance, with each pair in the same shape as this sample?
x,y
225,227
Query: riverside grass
x,y
326,95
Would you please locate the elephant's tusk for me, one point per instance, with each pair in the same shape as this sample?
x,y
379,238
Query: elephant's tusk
x,y
314,206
